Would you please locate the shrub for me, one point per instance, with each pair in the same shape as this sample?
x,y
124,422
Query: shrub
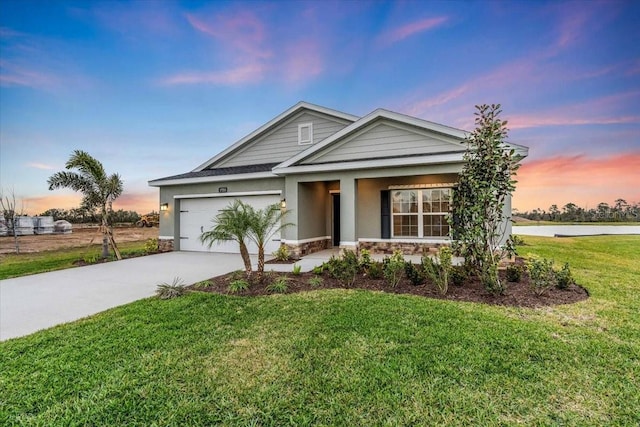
x,y
365,261
319,269
297,269
564,277
151,246
279,286
344,269
238,275
458,275
203,284
237,286
542,275
90,259
392,268
282,254
517,240
170,291
438,269
414,274
316,281
514,273
375,270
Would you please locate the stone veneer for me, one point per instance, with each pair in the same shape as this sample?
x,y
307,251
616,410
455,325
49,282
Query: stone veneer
x,y
165,245
307,248
407,248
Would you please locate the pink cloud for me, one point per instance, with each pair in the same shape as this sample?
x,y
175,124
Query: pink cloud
x,y
302,61
141,202
15,75
579,179
243,74
41,166
412,28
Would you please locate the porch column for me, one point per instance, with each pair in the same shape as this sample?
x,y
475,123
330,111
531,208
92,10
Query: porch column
x,y
291,196
348,213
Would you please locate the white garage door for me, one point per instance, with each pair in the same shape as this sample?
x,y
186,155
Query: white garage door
x,y
196,216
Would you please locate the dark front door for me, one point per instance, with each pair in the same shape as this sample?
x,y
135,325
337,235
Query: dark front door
x,y
336,219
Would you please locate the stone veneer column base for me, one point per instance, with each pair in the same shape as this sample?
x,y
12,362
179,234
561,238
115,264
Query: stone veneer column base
x,y
302,249
165,245
407,248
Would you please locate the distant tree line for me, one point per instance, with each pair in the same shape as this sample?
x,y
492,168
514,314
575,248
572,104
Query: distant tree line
x,y
620,211
86,216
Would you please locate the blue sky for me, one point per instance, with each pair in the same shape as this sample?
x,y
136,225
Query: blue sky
x,y
154,88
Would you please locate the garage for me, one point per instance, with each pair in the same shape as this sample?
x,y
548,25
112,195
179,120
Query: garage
x,y
196,215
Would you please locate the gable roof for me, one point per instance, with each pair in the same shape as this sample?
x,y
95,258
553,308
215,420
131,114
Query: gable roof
x,y
271,124
209,175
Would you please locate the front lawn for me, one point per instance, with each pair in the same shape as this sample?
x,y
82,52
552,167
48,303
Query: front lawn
x,y
345,357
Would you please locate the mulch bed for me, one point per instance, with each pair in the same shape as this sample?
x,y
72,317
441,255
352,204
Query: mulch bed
x,y
517,294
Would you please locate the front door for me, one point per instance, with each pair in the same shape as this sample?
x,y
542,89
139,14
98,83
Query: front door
x,y
336,219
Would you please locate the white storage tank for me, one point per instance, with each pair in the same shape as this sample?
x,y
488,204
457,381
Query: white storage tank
x,y
23,225
62,227
43,224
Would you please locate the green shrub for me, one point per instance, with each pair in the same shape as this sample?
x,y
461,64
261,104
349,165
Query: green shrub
x,y
414,274
564,277
91,259
541,274
517,240
238,275
203,284
459,275
236,286
438,269
514,273
375,270
297,270
365,261
344,269
315,281
319,269
151,246
282,254
279,286
170,291
392,268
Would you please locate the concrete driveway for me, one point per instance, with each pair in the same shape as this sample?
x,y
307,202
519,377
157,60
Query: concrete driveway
x,y
31,303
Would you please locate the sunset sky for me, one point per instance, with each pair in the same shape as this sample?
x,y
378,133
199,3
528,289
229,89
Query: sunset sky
x,y
155,88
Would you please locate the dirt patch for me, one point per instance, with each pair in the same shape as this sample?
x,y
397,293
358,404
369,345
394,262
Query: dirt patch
x,y
517,294
83,235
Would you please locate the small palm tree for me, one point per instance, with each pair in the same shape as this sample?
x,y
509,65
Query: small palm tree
x,y
265,223
99,190
232,223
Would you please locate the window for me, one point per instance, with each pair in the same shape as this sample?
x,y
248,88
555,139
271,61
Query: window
x,y
420,213
305,134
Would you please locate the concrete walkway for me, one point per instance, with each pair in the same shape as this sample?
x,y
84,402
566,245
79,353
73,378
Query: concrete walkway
x,y
31,303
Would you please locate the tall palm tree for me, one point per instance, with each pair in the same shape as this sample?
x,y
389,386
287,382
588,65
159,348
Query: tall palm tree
x,y
232,223
264,224
98,189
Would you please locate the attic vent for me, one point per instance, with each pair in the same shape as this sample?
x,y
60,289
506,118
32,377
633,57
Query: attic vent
x,y
305,133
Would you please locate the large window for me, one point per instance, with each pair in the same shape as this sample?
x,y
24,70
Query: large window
x,y
420,213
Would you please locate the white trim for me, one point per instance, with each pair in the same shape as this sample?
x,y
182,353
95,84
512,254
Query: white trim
x,y
236,194
419,186
400,240
274,122
299,242
165,237
368,164
217,178
334,191
420,214
309,126
350,244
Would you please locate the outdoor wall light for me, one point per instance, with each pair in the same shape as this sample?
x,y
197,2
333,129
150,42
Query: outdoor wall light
x,y
164,206
283,203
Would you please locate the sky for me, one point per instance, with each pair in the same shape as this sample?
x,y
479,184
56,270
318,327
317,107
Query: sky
x,y
155,88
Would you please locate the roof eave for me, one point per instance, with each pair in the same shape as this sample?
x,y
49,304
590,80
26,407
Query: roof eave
x,y
215,178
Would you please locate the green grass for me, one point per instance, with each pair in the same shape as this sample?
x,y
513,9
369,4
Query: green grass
x,y
15,265
344,357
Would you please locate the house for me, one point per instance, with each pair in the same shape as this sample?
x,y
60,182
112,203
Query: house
x,y
381,182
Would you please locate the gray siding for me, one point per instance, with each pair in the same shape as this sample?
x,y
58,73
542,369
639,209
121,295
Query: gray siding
x,y
386,140
281,143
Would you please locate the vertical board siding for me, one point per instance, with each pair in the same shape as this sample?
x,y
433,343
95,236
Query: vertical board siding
x,y
282,142
383,140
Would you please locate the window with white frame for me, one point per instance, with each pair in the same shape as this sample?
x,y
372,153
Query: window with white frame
x,y
420,212
305,133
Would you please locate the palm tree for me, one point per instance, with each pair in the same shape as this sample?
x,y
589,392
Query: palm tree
x,y
233,224
98,190
265,223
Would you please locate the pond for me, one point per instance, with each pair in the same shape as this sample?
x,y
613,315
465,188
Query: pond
x,y
574,230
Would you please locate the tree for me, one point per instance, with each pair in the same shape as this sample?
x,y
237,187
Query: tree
x,y
478,218
233,224
264,224
554,212
241,223
99,190
8,206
